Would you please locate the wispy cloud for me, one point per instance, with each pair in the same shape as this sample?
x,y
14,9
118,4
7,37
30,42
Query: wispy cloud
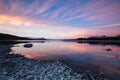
x,y
109,26
87,14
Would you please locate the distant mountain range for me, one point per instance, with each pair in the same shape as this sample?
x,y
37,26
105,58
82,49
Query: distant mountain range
x,y
13,37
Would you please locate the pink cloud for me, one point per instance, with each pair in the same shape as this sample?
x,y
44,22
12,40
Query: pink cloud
x,y
45,6
108,12
117,25
96,11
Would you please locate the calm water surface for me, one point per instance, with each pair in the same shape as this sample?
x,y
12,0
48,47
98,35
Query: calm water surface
x,y
84,56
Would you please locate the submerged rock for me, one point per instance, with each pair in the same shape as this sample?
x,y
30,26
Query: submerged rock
x,y
108,49
28,45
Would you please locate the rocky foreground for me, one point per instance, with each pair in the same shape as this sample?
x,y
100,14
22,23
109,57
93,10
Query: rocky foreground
x,y
17,67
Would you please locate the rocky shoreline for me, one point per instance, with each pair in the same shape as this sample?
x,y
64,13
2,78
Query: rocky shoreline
x,y
20,68
17,67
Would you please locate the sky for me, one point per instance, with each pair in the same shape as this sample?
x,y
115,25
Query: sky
x,y
60,18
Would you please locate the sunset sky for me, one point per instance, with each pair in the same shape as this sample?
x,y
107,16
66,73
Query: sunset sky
x,y
60,18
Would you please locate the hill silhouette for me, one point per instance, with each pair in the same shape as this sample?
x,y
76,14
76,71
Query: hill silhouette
x,y
11,37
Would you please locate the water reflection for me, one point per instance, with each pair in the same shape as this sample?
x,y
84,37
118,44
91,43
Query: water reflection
x,y
63,48
90,57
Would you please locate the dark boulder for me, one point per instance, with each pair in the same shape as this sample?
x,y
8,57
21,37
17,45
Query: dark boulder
x,y
28,45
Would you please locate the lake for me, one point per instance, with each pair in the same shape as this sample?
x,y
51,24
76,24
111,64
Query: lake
x,y
82,57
